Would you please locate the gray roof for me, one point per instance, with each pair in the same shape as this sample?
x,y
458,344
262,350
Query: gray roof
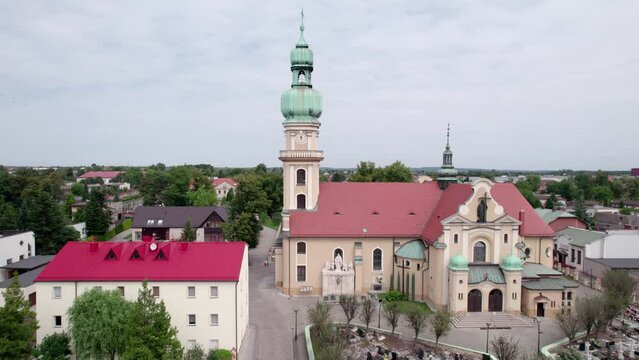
x,y
7,233
554,283
25,279
532,270
581,237
480,273
175,216
29,263
548,215
618,263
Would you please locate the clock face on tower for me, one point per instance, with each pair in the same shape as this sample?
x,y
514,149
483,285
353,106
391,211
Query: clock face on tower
x,y
300,138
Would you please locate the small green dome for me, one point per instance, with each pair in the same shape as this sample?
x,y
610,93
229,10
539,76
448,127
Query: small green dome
x,y
301,55
301,104
413,249
458,262
511,263
447,172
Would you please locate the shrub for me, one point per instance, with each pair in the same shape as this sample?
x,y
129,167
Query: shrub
x,y
54,347
393,296
219,354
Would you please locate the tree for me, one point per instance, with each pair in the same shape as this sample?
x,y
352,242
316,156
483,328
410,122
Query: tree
x,y
219,354
229,196
570,324
188,233
618,291
18,323
570,354
580,209
245,228
152,187
368,310
350,305
148,329
338,176
440,325
366,172
43,215
418,320
8,216
133,176
602,193
391,314
506,348
526,191
551,202
249,197
397,172
78,189
202,197
54,347
589,314
319,315
97,324
195,353
68,205
97,214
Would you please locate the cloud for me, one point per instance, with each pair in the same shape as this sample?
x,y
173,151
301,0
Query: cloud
x,y
535,84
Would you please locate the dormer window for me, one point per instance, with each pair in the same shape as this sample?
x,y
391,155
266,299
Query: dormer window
x,y
136,255
111,256
375,212
160,222
160,256
150,222
337,213
411,213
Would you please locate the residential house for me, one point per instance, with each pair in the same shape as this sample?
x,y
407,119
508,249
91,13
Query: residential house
x,y
107,176
222,186
204,286
572,246
15,246
26,270
559,220
167,222
609,221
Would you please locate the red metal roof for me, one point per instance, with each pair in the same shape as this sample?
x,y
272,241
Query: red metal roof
x,y
400,210
194,261
100,174
220,181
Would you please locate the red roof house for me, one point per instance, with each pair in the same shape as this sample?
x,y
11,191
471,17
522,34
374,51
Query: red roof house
x,y
100,174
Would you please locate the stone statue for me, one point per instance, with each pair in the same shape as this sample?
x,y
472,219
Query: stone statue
x,y
481,211
339,263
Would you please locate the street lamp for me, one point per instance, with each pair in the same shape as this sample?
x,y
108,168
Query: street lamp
x,y
296,310
487,335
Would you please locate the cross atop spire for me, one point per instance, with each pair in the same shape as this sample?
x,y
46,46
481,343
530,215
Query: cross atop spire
x,y
302,42
447,136
302,23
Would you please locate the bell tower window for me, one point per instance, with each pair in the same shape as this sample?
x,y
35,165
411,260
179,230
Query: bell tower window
x,y
301,177
301,77
301,202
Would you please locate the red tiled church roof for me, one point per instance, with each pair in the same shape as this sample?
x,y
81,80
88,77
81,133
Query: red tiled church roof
x,y
115,261
401,210
100,174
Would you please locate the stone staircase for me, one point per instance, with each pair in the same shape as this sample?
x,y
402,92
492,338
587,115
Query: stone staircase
x,y
496,319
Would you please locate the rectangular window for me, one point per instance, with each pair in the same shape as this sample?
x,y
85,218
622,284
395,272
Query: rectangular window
x,y
569,295
121,290
563,295
156,291
572,255
191,291
21,257
191,319
9,261
214,344
578,257
514,296
213,291
552,304
57,292
214,320
301,273
57,321
191,343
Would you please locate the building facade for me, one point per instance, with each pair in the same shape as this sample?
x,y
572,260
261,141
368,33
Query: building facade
x,y
168,222
461,247
203,285
15,246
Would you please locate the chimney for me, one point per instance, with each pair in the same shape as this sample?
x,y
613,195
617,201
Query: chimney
x,y
93,246
522,219
184,245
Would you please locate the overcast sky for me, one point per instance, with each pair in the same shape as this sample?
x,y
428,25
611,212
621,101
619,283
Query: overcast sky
x,y
524,84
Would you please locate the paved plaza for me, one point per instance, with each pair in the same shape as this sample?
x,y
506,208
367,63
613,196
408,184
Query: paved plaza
x,y
272,318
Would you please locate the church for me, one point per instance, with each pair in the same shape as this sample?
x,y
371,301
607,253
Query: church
x,y
461,247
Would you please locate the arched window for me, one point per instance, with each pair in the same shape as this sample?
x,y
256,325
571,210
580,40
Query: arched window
x,y
301,78
301,177
338,251
456,238
301,248
301,201
479,252
377,259
505,238
527,252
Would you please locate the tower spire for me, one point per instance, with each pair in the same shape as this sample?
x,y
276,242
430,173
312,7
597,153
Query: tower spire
x,y
302,42
447,173
448,136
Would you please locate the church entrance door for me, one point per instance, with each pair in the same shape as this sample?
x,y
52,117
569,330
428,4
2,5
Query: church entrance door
x,y
474,301
540,309
495,300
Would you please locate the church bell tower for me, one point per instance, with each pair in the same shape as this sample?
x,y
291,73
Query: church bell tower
x,y
301,107
447,174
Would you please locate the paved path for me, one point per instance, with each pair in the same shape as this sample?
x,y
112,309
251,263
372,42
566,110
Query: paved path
x,y
122,236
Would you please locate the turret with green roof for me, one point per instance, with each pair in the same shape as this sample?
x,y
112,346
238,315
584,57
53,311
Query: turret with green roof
x,y
458,263
301,104
511,262
447,174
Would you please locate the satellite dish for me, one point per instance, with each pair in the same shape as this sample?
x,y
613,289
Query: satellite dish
x,y
153,246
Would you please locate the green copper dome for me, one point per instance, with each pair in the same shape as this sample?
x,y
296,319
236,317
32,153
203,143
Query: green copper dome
x,y
511,263
301,103
458,262
414,249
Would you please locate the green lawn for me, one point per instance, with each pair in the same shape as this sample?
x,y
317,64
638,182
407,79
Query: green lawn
x,y
406,306
270,223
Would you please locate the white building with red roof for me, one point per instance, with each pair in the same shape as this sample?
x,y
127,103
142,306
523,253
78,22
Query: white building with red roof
x,y
203,285
223,186
106,176
462,247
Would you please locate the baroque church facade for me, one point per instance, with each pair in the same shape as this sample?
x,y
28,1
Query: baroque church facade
x,y
461,247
